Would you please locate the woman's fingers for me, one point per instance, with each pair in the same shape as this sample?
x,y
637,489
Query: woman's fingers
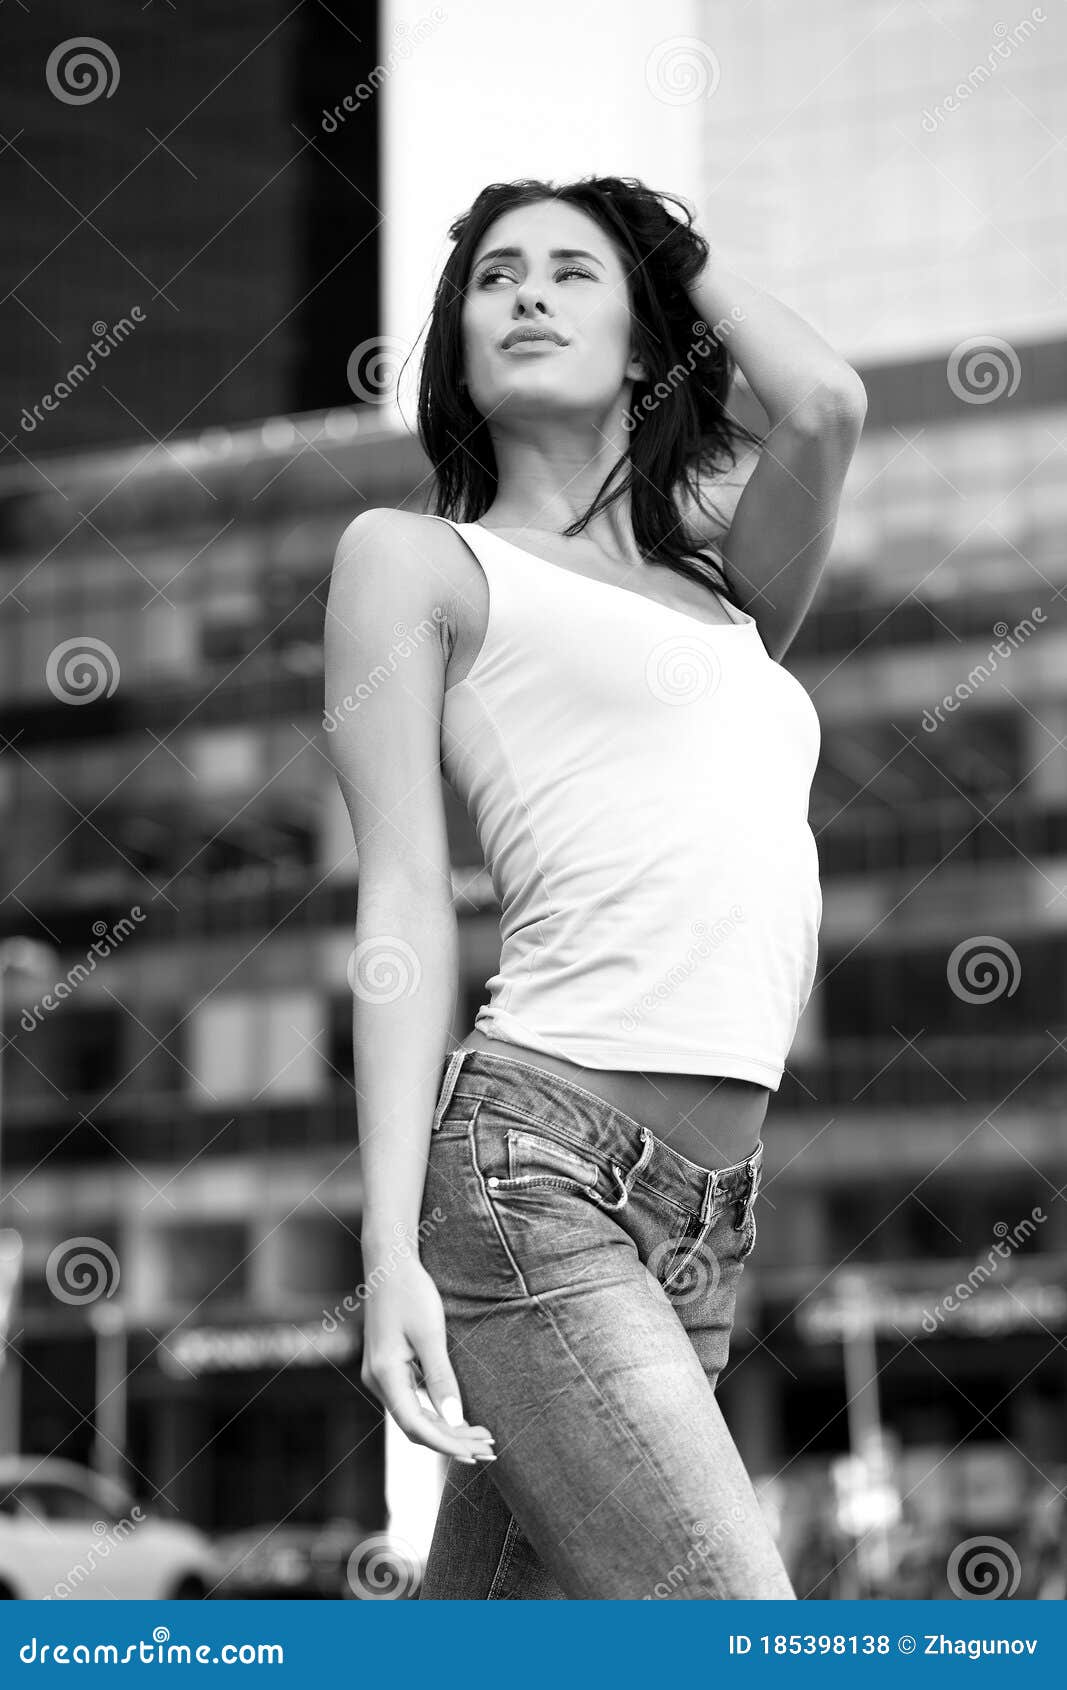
x,y
397,1389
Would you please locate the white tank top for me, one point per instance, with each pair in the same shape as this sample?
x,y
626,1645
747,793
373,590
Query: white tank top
x,y
639,784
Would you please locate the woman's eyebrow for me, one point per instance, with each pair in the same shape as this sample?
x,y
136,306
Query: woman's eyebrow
x,y
557,252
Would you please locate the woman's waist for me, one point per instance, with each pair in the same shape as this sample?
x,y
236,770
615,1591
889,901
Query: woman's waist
x,y
712,1120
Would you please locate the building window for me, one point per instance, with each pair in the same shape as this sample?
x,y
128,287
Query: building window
x,y
265,1045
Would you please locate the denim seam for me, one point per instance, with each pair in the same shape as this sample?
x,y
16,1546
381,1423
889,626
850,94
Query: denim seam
x,y
507,1555
543,1309
491,1213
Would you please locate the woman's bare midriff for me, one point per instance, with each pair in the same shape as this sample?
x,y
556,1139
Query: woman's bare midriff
x,y
714,1120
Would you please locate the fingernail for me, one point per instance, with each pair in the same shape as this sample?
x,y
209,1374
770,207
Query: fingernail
x,y
452,1411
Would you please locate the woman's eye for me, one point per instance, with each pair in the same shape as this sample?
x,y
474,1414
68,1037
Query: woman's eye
x,y
569,270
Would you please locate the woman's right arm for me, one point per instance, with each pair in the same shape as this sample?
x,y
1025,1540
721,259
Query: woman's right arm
x,y
385,652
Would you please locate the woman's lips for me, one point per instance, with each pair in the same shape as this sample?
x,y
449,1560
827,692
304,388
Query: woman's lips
x,y
531,345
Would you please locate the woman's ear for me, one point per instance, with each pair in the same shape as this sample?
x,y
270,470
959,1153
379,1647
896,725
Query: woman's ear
x,y
635,369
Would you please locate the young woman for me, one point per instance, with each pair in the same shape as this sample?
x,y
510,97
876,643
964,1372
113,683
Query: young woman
x,y
557,1216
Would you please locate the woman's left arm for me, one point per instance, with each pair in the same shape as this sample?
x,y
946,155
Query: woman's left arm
x,y
783,523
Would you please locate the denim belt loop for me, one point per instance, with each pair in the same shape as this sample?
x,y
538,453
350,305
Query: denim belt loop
x,y
752,1183
448,1084
625,1181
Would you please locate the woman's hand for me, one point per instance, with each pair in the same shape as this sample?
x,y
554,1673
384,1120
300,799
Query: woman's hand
x,y
404,1337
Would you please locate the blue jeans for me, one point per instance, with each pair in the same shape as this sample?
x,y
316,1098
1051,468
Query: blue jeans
x,y
589,1275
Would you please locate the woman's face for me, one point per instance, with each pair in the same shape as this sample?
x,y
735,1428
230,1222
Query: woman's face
x,y
548,268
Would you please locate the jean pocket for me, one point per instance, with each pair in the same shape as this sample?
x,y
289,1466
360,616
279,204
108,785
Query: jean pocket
x,y
516,1155
535,1159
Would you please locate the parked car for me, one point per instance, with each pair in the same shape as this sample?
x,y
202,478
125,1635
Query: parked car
x,y
66,1531
339,1560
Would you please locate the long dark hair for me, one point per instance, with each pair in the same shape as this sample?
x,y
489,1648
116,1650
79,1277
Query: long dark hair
x,y
677,424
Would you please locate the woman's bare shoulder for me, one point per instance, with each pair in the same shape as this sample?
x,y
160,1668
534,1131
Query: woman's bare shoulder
x,y
403,543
